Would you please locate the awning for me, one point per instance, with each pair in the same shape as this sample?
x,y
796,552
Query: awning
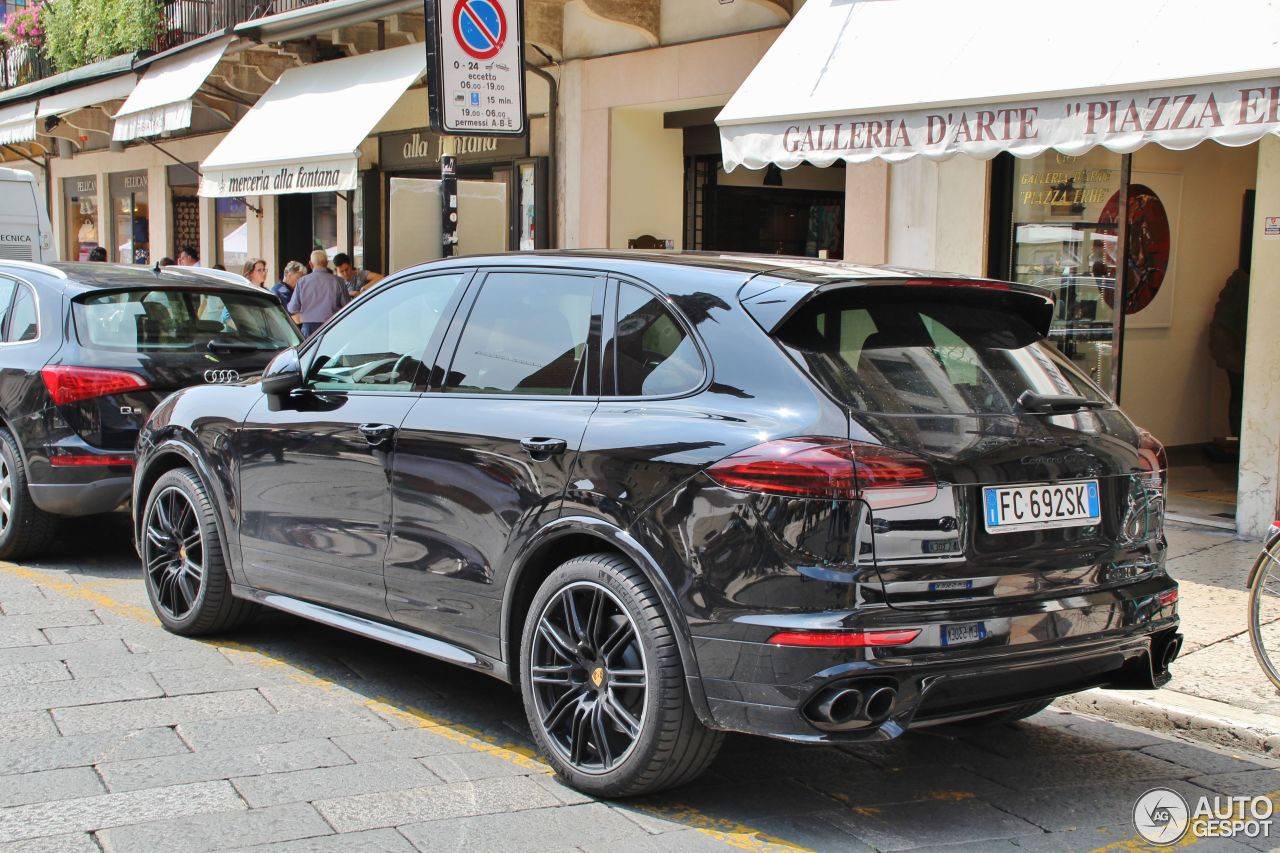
x,y
856,80
303,135
18,123
161,101
111,89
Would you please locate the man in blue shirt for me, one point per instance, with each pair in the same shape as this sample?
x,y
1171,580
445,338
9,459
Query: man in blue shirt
x,y
283,289
317,296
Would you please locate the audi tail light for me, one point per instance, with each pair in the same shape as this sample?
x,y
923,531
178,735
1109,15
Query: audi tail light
x,y
69,384
1153,461
829,469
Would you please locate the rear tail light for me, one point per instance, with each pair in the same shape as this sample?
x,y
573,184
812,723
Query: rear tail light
x,y
89,459
1169,596
1153,460
68,384
829,469
844,639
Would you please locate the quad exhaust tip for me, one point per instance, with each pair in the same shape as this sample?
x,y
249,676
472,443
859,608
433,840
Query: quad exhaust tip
x,y
843,708
1168,652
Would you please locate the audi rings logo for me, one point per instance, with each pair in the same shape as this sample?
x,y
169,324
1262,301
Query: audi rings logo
x,y
221,377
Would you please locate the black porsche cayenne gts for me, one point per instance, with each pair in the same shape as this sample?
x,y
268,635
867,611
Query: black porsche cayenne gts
x,y
674,495
86,352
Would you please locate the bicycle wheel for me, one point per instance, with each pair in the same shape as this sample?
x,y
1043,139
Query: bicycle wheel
x,y
1264,607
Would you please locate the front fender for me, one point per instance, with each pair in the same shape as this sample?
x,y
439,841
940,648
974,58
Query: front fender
x,y
614,537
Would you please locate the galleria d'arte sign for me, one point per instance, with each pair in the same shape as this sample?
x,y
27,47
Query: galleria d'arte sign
x,y
422,149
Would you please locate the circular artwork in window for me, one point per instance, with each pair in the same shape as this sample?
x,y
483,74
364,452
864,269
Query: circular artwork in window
x,y
1149,245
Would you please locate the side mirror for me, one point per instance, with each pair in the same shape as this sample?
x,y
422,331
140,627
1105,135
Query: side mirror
x,y
283,374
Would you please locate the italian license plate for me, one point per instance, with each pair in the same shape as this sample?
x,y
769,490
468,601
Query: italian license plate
x,y
970,632
1010,508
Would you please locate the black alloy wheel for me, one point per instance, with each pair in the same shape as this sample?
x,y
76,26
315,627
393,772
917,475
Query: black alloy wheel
x,y
603,682
589,677
173,552
25,529
182,560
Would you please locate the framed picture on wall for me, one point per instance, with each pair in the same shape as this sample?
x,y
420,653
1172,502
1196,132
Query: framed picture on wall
x,y
1155,208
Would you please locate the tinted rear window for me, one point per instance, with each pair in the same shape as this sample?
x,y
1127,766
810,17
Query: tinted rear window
x,y
148,320
926,356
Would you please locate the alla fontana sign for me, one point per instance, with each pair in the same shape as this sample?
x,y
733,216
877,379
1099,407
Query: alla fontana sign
x,y
1230,113
278,179
422,149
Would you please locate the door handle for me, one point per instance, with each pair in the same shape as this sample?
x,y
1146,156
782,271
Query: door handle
x,y
377,434
543,448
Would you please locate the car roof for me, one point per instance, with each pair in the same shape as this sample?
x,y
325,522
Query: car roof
x,y
85,277
790,268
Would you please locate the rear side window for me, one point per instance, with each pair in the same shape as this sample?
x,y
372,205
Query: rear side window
x,y
654,355
24,319
927,356
526,334
6,299
182,320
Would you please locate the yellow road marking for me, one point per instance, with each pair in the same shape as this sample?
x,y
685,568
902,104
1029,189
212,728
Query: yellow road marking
x,y
726,831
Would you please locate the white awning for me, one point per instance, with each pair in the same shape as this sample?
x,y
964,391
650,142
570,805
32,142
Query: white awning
x,y
161,101
856,80
18,123
111,89
303,135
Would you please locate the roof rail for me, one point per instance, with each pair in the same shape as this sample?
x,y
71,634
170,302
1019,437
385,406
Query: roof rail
x,y
33,266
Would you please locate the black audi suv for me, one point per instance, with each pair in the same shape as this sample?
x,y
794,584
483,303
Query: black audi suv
x,y
86,352
670,496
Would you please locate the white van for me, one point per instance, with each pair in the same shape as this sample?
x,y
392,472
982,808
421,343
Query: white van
x,y
25,234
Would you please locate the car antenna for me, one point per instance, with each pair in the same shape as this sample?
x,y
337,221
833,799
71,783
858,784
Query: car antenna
x,y
156,268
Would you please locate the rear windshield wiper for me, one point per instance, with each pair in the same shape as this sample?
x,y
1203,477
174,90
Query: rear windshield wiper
x,y
1054,404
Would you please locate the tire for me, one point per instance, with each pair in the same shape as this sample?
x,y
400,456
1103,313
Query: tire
x,y
1008,715
619,682
182,561
25,530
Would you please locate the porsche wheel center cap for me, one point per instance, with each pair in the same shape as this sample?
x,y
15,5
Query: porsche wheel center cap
x,y
597,676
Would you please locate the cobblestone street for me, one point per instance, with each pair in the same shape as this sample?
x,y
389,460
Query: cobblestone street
x,y
117,735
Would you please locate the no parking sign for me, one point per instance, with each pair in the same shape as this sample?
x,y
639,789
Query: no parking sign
x,y
475,67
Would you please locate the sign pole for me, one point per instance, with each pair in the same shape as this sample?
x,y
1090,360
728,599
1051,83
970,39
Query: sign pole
x,y
449,196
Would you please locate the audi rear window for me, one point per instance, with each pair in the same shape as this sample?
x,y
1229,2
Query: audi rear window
x,y
147,320
923,354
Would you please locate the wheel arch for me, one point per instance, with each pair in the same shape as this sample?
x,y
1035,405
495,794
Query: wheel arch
x,y
574,536
171,455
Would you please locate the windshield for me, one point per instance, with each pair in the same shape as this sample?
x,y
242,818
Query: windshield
x,y
148,320
927,356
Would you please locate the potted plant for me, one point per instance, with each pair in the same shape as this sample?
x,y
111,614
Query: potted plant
x,y
23,39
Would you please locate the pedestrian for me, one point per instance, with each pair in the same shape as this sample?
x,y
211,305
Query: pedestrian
x,y
98,254
317,296
188,256
288,281
1226,340
357,280
255,269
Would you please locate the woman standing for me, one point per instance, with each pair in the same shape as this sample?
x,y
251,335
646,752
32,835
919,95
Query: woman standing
x,y
255,269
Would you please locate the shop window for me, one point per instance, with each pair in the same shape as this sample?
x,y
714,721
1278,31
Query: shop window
x,y
1059,240
80,217
132,224
232,228
184,199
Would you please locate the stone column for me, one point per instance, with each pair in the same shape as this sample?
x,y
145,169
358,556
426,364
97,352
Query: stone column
x,y
1260,426
866,212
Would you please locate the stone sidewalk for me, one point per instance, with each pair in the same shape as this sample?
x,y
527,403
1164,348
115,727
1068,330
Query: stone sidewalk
x,y
117,736
1218,692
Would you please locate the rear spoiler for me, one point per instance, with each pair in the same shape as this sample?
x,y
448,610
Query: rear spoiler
x,y
773,301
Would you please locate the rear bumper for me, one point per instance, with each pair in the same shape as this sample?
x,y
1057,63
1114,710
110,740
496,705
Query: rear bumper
x,y
84,498
1034,650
